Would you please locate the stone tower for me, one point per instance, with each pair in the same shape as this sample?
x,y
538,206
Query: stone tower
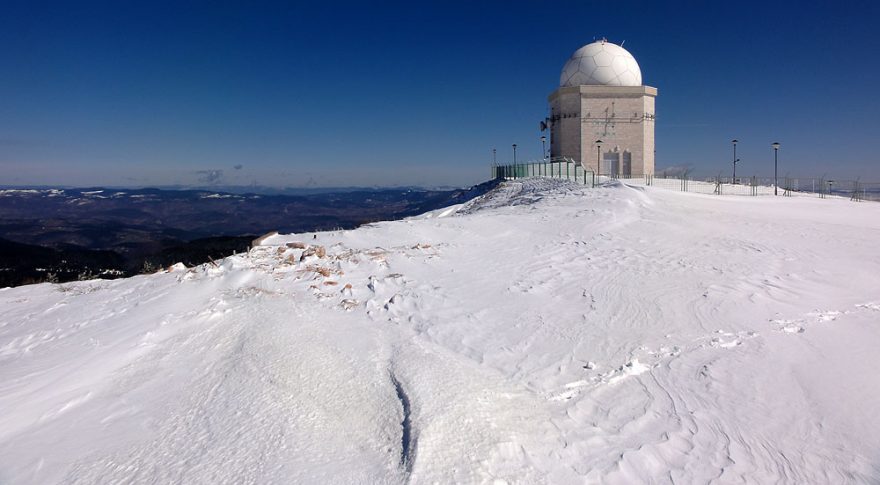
x,y
601,97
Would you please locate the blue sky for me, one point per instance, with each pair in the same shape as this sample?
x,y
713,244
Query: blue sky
x,y
414,93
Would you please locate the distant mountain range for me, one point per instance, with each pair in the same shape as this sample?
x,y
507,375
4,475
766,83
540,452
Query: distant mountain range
x,y
55,234
242,189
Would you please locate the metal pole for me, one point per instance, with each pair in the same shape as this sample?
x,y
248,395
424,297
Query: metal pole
x,y
514,153
734,161
775,171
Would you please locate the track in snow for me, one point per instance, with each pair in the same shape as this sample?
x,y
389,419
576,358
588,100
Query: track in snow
x,y
407,438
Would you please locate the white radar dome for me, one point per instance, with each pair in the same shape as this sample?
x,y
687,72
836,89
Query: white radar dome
x,y
601,63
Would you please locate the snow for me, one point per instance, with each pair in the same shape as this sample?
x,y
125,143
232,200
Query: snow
x,y
221,196
4,192
543,333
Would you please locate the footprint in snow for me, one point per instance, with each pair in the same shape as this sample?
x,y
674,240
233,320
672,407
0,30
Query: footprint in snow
x,y
799,325
631,368
788,326
875,306
728,340
825,316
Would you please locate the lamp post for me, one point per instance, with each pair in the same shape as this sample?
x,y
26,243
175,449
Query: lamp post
x,y
598,152
543,147
735,141
493,156
775,146
514,153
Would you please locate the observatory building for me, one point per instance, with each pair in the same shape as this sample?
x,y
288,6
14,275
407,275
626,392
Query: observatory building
x,y
601,97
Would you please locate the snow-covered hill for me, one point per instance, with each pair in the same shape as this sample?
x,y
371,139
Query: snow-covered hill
x,y
543,333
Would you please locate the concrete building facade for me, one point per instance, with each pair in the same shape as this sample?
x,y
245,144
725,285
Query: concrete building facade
x,y
601,97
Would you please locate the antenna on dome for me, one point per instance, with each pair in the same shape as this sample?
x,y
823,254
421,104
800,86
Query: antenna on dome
x,y
624,42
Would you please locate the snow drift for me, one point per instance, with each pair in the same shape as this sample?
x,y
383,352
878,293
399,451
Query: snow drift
x,y
543,333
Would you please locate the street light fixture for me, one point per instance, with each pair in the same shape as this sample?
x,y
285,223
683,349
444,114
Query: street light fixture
x,y
598,152
735,141
543,147
775,146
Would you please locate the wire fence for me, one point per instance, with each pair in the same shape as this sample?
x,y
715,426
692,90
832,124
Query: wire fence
x,y
855,190
568,169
